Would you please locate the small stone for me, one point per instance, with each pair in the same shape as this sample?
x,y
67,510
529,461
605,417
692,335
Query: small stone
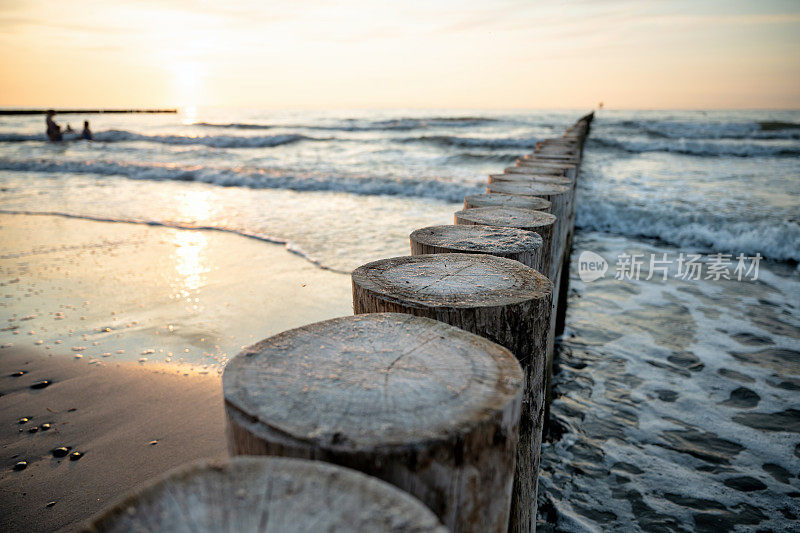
x,y
61,452
34,429
153,442
74,456
22,465
18,374
45,427
50,504
41,384
24,420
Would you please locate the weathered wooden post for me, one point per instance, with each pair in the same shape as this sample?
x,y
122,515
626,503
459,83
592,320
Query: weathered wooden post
x,y
559,196
425,406
260,494
511,217
498,298
507,200
557,169
532,177
552,158
520,245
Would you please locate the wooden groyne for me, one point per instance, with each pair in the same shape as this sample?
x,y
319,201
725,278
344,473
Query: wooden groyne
x,y
439,383
83,111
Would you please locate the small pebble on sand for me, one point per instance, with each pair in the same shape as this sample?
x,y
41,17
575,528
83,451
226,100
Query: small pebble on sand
x,y
61,451
21,465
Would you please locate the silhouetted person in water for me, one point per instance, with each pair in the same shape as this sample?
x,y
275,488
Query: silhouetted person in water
x,y
69,129
87,133
53,129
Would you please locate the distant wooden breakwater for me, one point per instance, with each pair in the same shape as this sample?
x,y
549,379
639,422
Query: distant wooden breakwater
x,y
82,111
435,390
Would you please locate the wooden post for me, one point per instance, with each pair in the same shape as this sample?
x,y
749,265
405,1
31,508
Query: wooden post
x,y
553,158
507,200
266,494
539,168
511,217
560,198
520,245
498,298
422,405
531,177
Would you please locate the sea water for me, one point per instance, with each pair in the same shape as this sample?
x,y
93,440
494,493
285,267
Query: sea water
x,y
676,398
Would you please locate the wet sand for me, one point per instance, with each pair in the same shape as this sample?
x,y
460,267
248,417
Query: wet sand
x,y
112,414
132,324
108,292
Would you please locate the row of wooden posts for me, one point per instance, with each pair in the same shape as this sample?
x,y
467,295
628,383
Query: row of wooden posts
x,y
436,389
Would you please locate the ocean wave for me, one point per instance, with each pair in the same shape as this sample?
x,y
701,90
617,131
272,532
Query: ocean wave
x,y
470,157
254,178
234,125
778,125
403,124
476,142
697,147
676,129
398,124
214,141
773,239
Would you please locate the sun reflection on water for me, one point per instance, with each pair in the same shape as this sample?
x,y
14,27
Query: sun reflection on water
x,y
190,262
194,206
191,253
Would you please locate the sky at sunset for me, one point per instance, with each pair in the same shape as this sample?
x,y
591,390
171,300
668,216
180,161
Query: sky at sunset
x,y
363,54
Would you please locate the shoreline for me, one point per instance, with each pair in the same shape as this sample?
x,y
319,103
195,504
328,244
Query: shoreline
x,y
111,414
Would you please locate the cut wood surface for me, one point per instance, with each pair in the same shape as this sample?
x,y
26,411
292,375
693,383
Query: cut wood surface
x,y
560,198
552,157
423,405
520,245
551,170
527,189
531,177
512,217
497,298
508,200
267,494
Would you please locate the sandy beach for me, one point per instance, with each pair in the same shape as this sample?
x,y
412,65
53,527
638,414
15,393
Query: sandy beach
x,y
130,324
130,422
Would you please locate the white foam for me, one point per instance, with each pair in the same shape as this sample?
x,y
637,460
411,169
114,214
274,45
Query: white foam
x,y
253,178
